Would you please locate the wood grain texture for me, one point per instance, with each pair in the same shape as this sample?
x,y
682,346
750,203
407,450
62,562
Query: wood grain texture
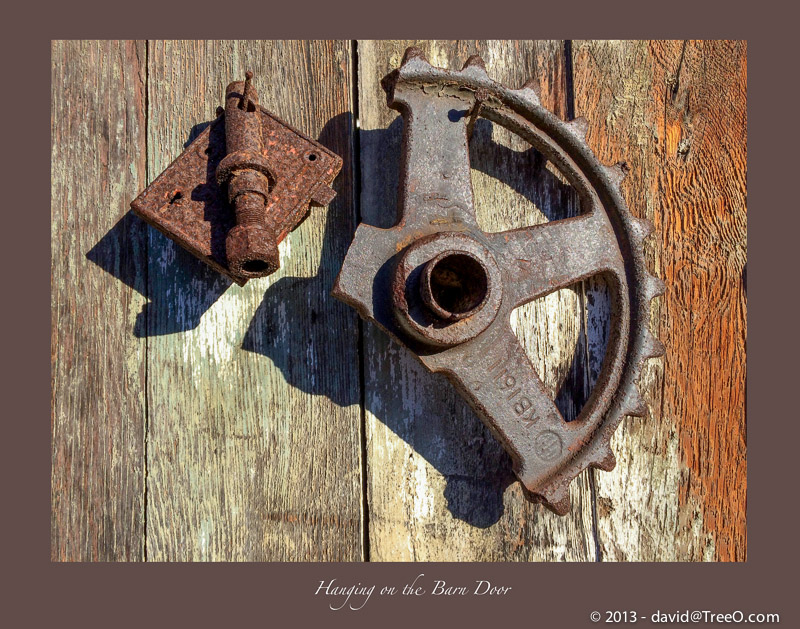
x,y
97,164
253,439
197,420
675,112
440,487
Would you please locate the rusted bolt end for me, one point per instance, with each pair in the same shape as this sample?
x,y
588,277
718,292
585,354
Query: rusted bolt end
x,y
454,285
252,251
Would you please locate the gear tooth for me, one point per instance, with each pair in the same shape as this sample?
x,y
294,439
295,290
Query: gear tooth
x,y
475,67
646,226
653,348
655,286
558,500
617,172
605,459
413,57
531,91
635,405
474,61
412,53
642,228
533,84
579,126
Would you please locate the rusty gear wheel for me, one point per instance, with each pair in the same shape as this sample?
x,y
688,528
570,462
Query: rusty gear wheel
x,y
440,285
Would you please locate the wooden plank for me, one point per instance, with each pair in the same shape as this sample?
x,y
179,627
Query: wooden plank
x,y
439,486
675,112
97,166
254,419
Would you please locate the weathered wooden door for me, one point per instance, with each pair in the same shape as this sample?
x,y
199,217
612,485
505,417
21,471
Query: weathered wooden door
x,y
198,420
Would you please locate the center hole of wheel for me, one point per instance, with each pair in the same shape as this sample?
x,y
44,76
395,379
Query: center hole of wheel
x,y
454,284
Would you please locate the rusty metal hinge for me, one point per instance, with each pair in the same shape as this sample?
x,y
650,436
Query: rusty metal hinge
x,y
240,187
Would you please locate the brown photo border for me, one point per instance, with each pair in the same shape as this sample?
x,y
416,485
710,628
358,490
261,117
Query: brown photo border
x,y
40,593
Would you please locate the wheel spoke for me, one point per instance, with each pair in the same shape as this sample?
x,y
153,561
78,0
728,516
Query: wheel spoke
x,y
548,257
437,186
494,371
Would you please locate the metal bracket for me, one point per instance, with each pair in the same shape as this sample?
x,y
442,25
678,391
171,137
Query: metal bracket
x,y
445,289
240,187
